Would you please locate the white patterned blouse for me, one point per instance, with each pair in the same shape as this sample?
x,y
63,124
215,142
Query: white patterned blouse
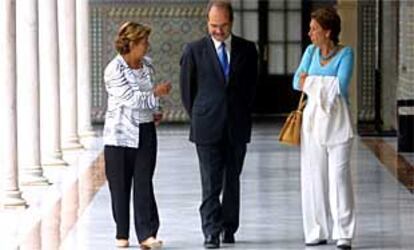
x,y
131,101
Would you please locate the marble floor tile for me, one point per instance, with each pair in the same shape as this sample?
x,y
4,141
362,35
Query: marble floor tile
x,y
271,208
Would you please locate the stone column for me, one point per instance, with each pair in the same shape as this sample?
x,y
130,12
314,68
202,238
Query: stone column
x,y
49,84
389,64
10,193
405,86
84,68
348,11
67,63
28,94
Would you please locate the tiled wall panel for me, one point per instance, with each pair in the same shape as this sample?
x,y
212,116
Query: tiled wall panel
x,y
173,23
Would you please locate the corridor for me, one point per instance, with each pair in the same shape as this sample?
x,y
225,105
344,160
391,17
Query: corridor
x,y
271,209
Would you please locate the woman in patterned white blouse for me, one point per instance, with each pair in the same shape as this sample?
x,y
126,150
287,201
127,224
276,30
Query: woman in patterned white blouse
x,y
130,136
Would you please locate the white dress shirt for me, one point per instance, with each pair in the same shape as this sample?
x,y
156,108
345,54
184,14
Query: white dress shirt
x,y
217,45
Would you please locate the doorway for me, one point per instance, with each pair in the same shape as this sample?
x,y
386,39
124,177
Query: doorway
x,y
276,26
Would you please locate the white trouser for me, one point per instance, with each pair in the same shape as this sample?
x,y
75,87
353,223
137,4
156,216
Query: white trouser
x,y
326,182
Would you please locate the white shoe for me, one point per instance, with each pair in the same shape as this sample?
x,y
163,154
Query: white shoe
x,y
344,244
122,243
151,243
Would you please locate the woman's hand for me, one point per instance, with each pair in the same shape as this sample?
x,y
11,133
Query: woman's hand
x,y
302,79
163,88
157,118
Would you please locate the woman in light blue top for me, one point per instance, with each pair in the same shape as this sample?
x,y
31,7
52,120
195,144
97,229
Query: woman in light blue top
x,y
340,65
129,135
325,167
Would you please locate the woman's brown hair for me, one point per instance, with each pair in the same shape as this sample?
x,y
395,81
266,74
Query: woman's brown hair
x,y
328,19
130,32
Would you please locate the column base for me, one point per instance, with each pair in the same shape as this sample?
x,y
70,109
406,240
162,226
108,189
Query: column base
x,y
89,132
13,200
33,178
88,138
71,144
54,162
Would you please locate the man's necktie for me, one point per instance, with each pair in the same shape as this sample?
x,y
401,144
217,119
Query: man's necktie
x,y
224,59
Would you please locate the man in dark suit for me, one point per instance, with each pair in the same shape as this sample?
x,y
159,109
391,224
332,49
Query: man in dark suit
x,y
218,79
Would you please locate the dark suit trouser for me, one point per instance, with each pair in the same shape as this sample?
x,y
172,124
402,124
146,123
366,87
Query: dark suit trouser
x,y
220,169
124,166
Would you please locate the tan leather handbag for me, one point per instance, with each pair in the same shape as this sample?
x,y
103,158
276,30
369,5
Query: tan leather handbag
x,y
290,132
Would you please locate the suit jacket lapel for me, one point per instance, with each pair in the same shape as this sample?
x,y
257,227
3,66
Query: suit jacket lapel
x,y
235,54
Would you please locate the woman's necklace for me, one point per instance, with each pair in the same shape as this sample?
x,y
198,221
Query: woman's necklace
x,y
132,62
137,65
329,55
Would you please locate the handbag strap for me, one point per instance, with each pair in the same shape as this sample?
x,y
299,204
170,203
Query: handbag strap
x,y
302,102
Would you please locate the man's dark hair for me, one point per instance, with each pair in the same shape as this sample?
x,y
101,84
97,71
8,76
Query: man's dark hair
x,y
225,4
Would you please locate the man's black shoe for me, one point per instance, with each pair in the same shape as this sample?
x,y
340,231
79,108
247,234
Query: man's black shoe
x,y
212,242
228,238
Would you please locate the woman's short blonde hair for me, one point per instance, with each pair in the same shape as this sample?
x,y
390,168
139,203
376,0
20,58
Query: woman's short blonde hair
x,y
130,32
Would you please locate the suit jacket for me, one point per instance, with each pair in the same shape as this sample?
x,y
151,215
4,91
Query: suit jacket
x,y
218,107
